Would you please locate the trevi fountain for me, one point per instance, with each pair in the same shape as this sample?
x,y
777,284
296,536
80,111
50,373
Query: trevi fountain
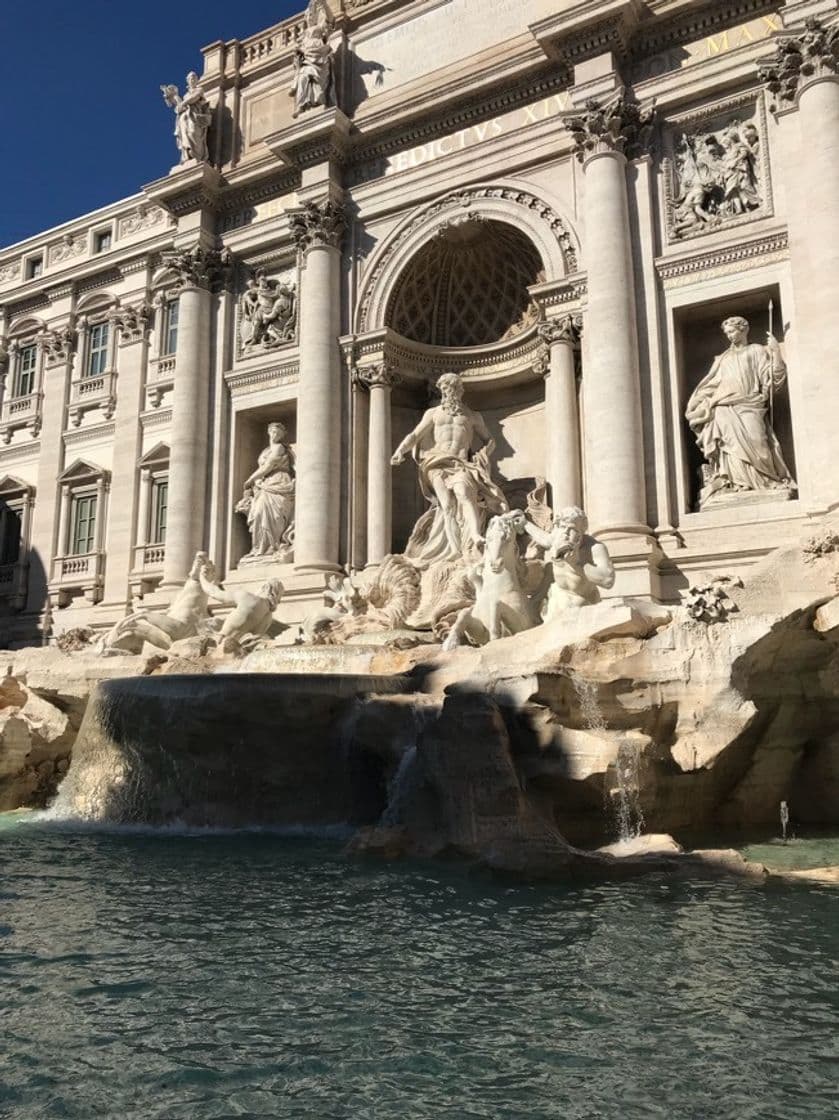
x,y
427,703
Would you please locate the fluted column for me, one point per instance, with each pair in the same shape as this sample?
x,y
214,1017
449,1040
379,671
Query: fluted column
x,y
615,491
562,420
379,378
198,269
803,78
319,228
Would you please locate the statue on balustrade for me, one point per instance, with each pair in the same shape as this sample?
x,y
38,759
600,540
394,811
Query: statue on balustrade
x,y
268,501
192,118
269,313
314,78
730,413
455,480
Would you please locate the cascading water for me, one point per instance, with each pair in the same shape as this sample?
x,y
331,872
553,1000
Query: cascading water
x,y
627,799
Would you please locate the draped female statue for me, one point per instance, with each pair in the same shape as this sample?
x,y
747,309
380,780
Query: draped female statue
x,y
268,501
192,118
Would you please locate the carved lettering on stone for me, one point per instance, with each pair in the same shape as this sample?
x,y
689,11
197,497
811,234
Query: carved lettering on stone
x,y
268,312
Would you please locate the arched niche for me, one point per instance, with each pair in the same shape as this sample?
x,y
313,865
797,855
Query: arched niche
x,y
500,210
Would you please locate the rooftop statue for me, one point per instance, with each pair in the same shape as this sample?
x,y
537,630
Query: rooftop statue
x,y
456,481
192,118
268,500
730,412
314,77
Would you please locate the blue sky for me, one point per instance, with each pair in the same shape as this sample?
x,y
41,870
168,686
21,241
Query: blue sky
x,y
85,123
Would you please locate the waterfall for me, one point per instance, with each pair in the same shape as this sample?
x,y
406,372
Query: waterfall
x,y
627,802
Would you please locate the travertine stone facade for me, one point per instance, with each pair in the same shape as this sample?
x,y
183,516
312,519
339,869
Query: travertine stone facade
x,y
560,201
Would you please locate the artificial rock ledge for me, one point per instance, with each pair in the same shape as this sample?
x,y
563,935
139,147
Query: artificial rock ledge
x,y
508,754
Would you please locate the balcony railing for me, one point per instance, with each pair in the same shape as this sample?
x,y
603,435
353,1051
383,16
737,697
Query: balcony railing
x,y
72,575
147,570
159,380
20,412
93,392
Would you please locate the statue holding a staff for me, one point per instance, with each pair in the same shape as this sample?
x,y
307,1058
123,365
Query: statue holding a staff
x,y
731,414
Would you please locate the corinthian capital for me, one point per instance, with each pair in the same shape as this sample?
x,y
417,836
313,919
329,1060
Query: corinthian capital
x,y
566,329
381,374
812,53
616,125
318,223
198,267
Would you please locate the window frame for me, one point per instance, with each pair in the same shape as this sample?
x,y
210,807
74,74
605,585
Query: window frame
x,y
78,495
99,237
157,526
30,346
102,351
169,346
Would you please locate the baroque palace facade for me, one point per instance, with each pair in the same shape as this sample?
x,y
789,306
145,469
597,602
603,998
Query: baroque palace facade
x,y
560,201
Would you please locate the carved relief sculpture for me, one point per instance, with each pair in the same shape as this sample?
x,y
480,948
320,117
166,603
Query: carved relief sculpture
x,y
268,313
268,501
730,413
717,177
192,118
314,77
457,482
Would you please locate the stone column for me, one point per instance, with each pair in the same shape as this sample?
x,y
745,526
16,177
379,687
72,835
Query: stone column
x,y
562,419
379,379
605,135
318,229
803,77
198,269
131,323
360,440
57,372
63,542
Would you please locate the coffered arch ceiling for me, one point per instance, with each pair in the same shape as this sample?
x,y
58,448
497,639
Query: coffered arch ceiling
x,y
467,286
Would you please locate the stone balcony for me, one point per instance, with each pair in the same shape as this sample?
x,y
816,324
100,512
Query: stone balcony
x,y
88,393
77,575
13,583
160,380
20,412
147,569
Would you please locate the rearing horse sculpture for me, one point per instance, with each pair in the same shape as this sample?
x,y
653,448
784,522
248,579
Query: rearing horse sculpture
x,y
503,606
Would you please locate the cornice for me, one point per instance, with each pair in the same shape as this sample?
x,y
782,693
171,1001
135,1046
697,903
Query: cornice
x,y
86,435
724,256
249,381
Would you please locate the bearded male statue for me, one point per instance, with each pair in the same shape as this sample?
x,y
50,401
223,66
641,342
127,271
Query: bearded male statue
x,y
454,479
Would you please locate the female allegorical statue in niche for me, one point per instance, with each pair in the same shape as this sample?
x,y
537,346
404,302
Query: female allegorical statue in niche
x,y
728,414
192,118
268,501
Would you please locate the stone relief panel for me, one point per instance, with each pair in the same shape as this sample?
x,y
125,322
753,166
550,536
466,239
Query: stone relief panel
x,y
267,315
716,170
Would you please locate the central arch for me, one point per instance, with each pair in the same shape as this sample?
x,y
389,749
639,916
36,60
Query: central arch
x,y
501,214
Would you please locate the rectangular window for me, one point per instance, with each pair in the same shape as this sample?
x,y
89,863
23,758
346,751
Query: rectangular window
x,y
9,535
83,525
102,241
24,380
159,504
97,357
170,336
34,268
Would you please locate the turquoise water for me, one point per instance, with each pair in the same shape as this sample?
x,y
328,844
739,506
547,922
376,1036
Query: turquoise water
x,y
166,977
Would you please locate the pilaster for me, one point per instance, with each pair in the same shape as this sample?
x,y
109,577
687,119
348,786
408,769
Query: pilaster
x,y
562,420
